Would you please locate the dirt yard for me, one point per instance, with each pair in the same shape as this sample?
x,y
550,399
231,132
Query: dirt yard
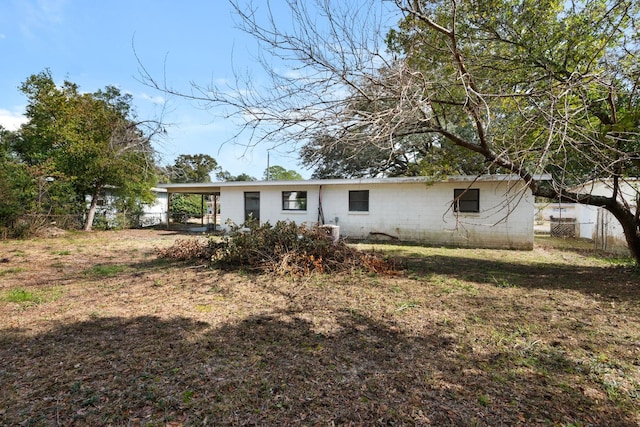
x,y
96,330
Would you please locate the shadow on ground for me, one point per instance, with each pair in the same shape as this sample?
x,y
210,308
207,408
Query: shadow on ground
x,y
616,282
277,370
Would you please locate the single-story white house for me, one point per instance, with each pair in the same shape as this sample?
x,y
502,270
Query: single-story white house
x,y
494,211
152,214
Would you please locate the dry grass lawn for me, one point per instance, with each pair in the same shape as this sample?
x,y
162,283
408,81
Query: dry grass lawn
x,y
96,330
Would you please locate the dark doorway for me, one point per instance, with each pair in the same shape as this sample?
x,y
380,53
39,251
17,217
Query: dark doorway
x,y
252,205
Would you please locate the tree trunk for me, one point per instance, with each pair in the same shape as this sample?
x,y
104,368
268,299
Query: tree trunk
x,y
92,210
630,228
629,222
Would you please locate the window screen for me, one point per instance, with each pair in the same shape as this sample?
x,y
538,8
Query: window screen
x,y
466,200
359,201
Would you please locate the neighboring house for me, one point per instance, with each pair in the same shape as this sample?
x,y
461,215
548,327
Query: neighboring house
x,y
591,222
490,211
607,232
155,213
152,214
580,218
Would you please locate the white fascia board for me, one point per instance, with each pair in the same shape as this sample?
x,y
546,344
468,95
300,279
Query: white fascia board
x,y
216,186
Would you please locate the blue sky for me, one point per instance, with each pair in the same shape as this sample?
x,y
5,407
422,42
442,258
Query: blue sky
x,y
91,43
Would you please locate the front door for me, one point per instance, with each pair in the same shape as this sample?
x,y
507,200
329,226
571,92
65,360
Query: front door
x,y
252,205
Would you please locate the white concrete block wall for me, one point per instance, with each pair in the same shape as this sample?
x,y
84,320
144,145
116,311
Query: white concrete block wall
x,y
416,212
410,211
232,204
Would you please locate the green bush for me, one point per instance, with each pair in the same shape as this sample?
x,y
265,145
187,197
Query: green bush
x,y
185,206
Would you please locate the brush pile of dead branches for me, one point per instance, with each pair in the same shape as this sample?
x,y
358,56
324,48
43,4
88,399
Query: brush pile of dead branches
x,y
193,249
284,248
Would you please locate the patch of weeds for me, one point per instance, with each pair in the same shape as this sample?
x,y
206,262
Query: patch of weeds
x,y
11,270
484,400
204,308
106,270
64,252
615,379
22,296
449,285
475,319
469,288
187,395
75,387
500,282
158,283
444,322
615,260
406,305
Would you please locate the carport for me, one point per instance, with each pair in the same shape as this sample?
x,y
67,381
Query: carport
x,y
204,190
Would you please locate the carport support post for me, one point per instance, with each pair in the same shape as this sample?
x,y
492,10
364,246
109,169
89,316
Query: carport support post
x,y
202,210
215,211
168,208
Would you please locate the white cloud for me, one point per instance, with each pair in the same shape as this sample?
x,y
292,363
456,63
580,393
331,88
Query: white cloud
x,y
159,100
41,14
11,120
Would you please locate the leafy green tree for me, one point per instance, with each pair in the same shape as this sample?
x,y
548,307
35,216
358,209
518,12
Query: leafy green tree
x,y
414,155
278,173
17,188
93,140
185,206
532,87
226,176
192,168
528,87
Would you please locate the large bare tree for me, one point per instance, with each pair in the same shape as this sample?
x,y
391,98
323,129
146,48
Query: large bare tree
x,y
532,87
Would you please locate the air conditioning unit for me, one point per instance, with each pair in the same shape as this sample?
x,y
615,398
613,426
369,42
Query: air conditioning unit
x,y
333,231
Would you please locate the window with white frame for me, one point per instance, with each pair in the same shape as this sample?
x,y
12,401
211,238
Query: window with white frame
x,y
294,200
